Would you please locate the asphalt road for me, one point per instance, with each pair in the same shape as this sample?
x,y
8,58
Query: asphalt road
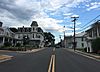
x,y
61,61
67,61
29,62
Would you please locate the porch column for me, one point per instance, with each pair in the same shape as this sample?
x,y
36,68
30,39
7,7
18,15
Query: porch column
x,y
90,47
12,42
97,32
87,47
3,40
92,33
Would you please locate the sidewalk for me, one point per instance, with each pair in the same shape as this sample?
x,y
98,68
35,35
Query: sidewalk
x,y
88,54
93,56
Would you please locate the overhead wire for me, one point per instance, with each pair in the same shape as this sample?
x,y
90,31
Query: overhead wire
x,y
83,27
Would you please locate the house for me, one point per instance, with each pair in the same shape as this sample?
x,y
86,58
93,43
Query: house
x,y
68,42
6,35
91,34
32,35
79,39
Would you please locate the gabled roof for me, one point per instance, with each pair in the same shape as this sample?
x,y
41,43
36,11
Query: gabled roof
x,y
40,30
34,23
80,34
13,30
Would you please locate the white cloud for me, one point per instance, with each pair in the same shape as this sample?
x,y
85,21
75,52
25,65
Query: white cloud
x,y
75,15
49,24
22,12
94,5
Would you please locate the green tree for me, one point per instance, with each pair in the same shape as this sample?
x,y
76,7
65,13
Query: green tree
x,y
49,39
96,45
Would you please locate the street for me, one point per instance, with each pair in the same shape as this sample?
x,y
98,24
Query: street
x,y
67,61
30,62
58,60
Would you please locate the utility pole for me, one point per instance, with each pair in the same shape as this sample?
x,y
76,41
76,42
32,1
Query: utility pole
x,y
60,40
74,20
64,38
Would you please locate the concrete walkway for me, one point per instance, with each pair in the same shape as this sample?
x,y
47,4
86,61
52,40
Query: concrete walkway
x,y
89,55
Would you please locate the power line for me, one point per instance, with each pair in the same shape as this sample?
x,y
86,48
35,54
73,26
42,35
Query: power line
x,y
83,27
90,21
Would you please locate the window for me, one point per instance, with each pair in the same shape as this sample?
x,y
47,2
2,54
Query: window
x,y
29,29
33,35
82,44
90,34
82,39
33,29
18,36
37,36
94,32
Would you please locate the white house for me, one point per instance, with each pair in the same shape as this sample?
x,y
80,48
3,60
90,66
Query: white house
x,y
34,34
6,35
79,39
68,42
91,34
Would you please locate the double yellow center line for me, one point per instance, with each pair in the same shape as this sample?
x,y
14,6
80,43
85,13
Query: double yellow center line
x,y
52,63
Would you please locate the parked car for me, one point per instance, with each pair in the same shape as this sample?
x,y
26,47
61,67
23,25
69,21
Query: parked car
x,y
57,46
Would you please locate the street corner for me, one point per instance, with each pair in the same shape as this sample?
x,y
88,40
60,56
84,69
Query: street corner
x,y
5,58
39,49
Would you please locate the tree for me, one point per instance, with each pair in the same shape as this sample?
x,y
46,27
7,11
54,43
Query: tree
x,y
49,39
96,45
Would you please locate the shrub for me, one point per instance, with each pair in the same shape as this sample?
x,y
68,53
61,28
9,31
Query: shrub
x,y
7,44
96,45
18,45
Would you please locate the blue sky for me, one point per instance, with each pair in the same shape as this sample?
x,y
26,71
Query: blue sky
x,y
51,15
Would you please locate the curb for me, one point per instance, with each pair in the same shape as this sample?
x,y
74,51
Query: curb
x,y
95,57
30,51
5,58
91,55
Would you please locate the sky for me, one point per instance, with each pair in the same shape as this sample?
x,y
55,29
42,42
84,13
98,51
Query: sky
x,y
51,15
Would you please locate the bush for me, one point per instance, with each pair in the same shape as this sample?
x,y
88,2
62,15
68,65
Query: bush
x,y
96,45
18,45
7,44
